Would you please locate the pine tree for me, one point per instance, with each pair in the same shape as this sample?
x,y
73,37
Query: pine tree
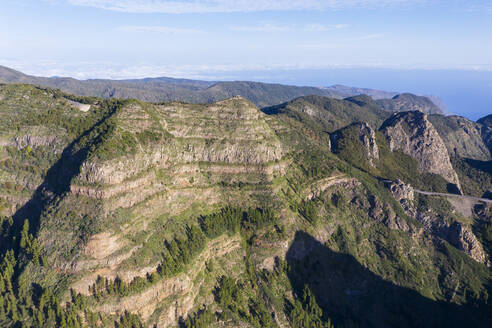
x,y
24,235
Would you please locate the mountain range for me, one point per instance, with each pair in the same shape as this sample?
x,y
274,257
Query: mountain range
x,y
311,211
163,89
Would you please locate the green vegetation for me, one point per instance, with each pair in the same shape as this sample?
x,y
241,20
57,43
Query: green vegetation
x,y
25,304
212,233
408,101
462,137
180,252
129,320
307,313
390,165
201,319
475,176
328,114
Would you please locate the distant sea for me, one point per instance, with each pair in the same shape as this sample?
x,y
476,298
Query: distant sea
x,y
465,92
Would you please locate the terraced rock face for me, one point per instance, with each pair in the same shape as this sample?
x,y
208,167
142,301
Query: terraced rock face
x,y
179,146
36,125
143,164
416,136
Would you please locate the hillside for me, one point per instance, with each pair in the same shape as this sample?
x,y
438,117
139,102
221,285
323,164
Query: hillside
x,y
463,138
487,130
123,213
353,91
330,114
408,102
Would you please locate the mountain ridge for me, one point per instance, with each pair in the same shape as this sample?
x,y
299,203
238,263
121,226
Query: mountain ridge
x,y
162,89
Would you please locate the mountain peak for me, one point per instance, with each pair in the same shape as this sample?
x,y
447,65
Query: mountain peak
x,y
361,100
412,133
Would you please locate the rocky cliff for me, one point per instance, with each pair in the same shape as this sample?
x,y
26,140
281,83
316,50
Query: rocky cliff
x,y
415,135
487,130
457,233
463,138
366,136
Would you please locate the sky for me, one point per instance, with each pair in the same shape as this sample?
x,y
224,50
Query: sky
x,y
226,39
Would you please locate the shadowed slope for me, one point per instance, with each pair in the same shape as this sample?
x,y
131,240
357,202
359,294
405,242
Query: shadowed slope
x,y
351,295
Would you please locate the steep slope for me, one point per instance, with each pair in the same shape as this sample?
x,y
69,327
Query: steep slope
x,y
219,215
463,138
487,130
487,120
369,150
356,132
409,102
415,135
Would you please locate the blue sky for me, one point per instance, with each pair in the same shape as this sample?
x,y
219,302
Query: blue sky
x,y
222,38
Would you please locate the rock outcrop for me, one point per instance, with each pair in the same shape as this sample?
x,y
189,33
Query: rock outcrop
x,y
415,135
400,190
457,234
463,238
366,136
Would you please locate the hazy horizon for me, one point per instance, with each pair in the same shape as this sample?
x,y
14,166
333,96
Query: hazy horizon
x,y
466,93
436,47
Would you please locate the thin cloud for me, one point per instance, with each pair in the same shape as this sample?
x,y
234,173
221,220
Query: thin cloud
x,y
224,6
261,28
288,28
367,37
160,29
324,28
480,8
343,43
318,46
90,69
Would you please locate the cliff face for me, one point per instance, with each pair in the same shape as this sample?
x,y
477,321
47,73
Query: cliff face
x,y
487,130
415,135
361,131
463,138
457,233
